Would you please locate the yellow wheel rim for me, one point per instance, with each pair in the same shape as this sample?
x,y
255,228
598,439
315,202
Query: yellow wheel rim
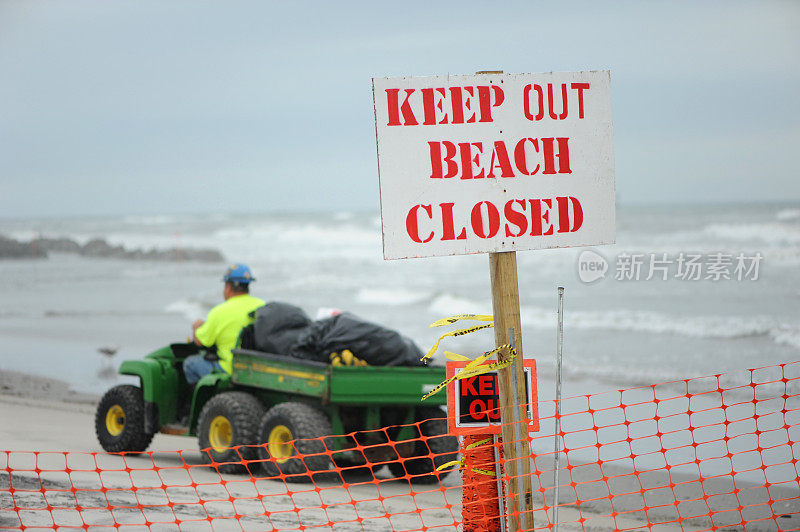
x,y
220,434
115,420
278,443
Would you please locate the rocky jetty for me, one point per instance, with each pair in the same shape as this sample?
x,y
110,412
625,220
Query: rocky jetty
x,y
40,247
59,245
13,249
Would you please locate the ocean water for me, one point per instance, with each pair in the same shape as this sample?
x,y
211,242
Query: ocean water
x,y
56,313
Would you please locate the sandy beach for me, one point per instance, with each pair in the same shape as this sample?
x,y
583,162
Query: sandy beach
x,y
45,415
612,186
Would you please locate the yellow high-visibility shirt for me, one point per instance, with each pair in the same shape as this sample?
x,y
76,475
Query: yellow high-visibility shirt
x,y
224,323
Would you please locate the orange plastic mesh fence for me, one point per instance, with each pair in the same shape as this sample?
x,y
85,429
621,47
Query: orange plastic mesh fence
x,y
711,453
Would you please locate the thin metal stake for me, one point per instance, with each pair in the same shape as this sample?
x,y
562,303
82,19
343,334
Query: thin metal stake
x,y
517,436
498,471
558,400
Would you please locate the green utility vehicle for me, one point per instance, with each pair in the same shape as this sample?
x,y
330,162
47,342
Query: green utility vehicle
x,y
278,407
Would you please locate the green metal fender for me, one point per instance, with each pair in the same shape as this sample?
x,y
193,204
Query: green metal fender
x,y
158,379
206,388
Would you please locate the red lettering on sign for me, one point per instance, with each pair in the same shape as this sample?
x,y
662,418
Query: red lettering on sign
x,y
486,385
545,216
477,410
443,105
521,157
448,229
461,100
493,410
562,156
517,218
433,101
468,386
493,218
580,87
437,160
551,111
555,155
526,98
395,109
503,163
488,97
563,214
412,225
529,101
468,162
539,215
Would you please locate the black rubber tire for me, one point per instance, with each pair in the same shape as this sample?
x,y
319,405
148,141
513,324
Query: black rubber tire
x,y
133,438
243,411
355,469
444,448
308,427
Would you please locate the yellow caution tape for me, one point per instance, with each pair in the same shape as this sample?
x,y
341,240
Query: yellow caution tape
x,y
456,357
458,332
457,317
477,444
459,463
457,376
480,370
476,367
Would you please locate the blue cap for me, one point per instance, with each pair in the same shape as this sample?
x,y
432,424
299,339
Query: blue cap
x,y
238,273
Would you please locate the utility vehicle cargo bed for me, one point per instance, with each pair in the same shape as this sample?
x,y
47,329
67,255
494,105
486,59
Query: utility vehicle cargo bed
x,y
378,385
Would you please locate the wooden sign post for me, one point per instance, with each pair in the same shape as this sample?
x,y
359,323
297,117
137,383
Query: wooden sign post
x,y
505,305
497,163
511,383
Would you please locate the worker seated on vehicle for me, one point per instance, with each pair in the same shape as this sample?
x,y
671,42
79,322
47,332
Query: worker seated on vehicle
x,y
222,326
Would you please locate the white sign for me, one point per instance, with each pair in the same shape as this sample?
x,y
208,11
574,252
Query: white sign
x,y
494,162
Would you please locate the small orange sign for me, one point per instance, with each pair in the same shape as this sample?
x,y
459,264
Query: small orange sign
x,y
473,404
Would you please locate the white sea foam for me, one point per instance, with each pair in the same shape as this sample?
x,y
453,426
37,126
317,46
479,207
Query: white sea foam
x,y
306,234
717,327
389,296
769,233
160,219
786,215
448,305
786,336
25,235
191,309
319,241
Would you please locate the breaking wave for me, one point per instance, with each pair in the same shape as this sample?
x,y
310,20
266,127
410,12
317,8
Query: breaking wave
x,y
720,327
768,233
389,296
717,327
786,215
448,305
191,309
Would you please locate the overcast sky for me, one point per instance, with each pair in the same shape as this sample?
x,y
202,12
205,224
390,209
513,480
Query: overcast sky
x,y
151,106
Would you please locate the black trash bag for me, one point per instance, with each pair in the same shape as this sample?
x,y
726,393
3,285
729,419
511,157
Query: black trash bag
x,y
374,344
276,328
